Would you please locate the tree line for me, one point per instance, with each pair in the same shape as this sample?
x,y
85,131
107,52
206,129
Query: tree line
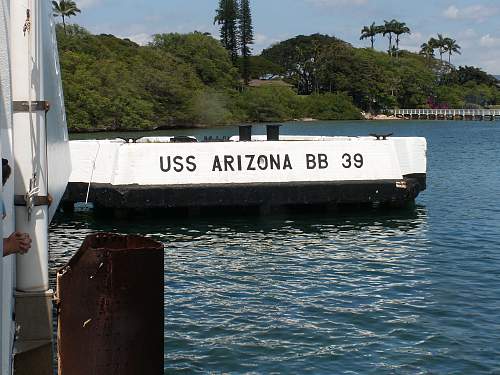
x,y
374,80
236,31
65,9
443,45
192,79
178,80
393,29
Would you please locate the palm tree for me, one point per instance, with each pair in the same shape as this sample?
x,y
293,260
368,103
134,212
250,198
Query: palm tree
x,y
63,9
451,46
427,50
433,43
389,27
370,32
440,44
399,28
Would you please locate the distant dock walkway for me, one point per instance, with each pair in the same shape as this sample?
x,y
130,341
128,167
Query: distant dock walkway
x,y
448,114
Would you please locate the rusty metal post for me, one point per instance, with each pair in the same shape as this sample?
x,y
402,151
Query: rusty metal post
x,y
110,308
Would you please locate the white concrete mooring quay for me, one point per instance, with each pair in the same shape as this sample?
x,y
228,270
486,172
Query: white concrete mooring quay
x,y
246,171
448,114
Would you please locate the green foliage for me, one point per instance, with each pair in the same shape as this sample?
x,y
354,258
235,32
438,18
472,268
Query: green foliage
x,y
64,9
465,74
227,17
210,107
451,46
189,79
388,30
177,80
259,67
204,54
376,82
269,104
443,45
427,50
330,106
111,83
299,58
370,32
469,95
245,29
468,87
399,28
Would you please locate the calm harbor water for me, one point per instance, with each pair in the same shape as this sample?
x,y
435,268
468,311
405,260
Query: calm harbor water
x,y
393,292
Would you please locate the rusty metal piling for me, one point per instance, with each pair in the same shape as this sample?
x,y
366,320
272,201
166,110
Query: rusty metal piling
x,y
110,308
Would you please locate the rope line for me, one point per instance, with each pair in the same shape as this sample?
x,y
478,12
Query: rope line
x,y
92,172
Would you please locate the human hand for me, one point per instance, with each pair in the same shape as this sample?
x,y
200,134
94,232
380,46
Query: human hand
x,y
16,243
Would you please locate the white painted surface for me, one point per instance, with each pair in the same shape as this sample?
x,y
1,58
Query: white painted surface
x,y
411,151
154,140
13,54
412,154
447,112
261,137
120,163
29,144
57,130
7,269
83,155
37,78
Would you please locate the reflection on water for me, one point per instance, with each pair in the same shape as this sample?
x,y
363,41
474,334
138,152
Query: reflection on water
x,y
383,292
289,295
254,293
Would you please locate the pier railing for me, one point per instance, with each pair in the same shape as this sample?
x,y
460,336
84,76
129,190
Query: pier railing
x,y
456,114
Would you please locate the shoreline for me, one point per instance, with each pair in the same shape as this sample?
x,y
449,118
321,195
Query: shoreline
x,y
366,117
381,117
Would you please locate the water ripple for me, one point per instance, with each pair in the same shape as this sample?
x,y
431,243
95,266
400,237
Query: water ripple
x,y
413,292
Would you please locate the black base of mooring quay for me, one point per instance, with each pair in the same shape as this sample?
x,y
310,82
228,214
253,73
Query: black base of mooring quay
x,y
110,308
245,195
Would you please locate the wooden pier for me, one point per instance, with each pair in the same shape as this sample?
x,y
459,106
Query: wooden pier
x,y
448,114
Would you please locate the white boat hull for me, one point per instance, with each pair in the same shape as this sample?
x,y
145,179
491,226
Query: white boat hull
x,y
29,71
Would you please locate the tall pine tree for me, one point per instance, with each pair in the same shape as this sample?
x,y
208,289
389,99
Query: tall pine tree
x,y
227,17
246,36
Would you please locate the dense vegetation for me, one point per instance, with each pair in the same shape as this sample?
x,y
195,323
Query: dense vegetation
x,y
236,31
189,79
376,80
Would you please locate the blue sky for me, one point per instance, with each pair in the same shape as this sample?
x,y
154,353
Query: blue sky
x,y
474,24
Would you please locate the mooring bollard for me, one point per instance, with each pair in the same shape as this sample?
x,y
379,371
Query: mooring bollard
x,y
273,132
245,132
110,308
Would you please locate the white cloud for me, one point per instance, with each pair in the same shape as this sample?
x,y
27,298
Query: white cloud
x,y
490,64
412,42
489,41
480,51
468,34
332,3
475,12
487,59
451,12
84,4
262,41
260,38
416,37
142,38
